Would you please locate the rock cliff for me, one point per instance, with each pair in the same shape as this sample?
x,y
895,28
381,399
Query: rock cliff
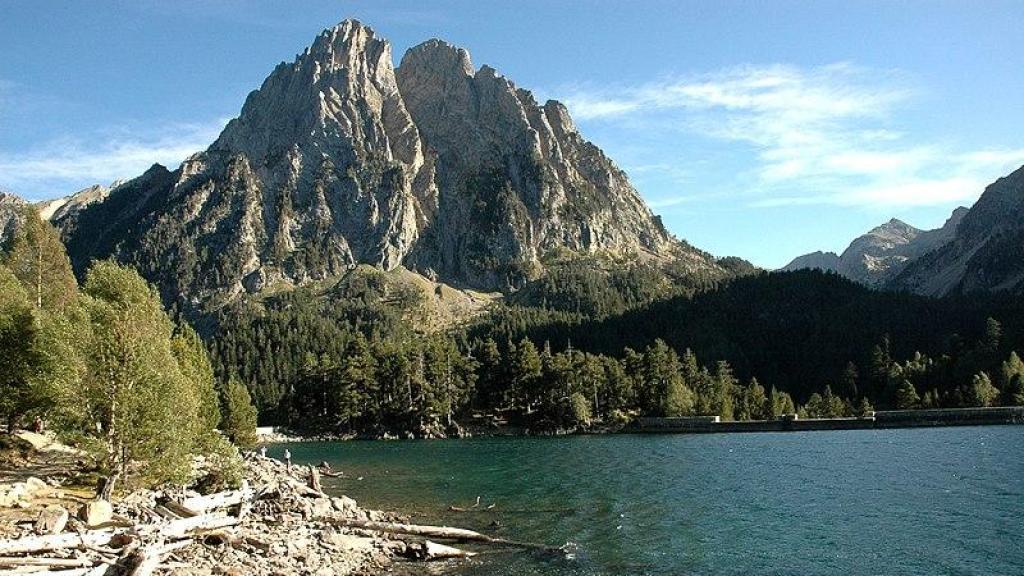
x,y
338,160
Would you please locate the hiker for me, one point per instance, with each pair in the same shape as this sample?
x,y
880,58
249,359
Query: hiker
x,y
288,459
37,425
263,451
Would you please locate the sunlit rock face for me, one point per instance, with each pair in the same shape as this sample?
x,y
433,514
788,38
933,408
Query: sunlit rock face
x,y
339,159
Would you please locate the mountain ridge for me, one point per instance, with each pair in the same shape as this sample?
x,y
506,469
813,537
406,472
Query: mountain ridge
x,y
876,257
339,159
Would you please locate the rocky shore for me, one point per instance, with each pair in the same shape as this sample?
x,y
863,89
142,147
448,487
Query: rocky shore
x,y
279,522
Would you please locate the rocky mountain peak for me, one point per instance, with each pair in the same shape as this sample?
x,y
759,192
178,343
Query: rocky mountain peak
x,y
439,57
982,248
339,159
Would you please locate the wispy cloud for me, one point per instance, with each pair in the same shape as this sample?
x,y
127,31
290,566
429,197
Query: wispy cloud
x,y
66,164
823,135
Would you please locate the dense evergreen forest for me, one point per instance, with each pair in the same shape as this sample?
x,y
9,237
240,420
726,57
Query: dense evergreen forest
x,y
593,344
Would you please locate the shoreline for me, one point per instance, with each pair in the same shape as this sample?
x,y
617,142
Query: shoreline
x,y
882,419
279,522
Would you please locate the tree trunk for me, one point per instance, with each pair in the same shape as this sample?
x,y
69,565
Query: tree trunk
x,y
105,487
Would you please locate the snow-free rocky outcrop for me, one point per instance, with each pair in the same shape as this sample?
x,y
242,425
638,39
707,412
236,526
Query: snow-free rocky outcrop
x,y
986,253
877,257
339,159
11,215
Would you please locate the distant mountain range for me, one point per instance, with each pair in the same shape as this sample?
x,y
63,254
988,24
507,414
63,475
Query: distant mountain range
x,y
980,249
341,159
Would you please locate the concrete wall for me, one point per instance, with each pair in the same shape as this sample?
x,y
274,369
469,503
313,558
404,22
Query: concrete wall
x,y
880,419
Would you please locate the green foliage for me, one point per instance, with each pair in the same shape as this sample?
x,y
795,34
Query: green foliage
x,y
982,392
906,396
143,405
37,258
194,362
239,414
580,407
19,355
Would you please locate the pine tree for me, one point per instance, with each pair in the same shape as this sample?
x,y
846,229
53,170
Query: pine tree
x,y
145,407
906,396
19,356
993,334
38,258
1014,391
782,403
982,393
353,386
1010,369
239,420
850,378
757,401
194,362
865,407
724,390
524,374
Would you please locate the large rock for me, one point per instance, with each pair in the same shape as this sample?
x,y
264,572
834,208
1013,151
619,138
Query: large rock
x,y
51,520
96,512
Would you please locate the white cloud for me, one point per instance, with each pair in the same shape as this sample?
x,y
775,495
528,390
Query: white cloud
x,y
66,164
820,135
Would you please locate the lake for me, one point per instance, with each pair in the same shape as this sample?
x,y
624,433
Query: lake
x,y
914,501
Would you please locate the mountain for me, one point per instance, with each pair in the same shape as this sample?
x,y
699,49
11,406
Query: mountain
x,y
338,160
985,252
11,214
824,261
60,208
875,258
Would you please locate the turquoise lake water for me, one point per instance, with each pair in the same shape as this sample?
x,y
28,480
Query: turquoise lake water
x,y
916,501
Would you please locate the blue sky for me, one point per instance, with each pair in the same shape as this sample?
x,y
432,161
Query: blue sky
x,y
758,129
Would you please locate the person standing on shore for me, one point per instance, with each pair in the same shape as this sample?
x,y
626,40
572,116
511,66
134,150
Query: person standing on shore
x,y
288,459
263,451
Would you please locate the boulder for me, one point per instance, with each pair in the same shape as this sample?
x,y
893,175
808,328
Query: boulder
x,y
96,512
51,520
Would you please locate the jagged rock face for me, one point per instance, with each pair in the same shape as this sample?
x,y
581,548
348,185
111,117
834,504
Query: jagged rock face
x,y
872,257
11,215
515,179
984,253
875,258
338,160
56,210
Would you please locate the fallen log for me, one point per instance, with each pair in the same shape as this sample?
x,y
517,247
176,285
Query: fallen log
x,y
69,572
30,544
435,551
47,562
185,527
201,504
144,560
439,532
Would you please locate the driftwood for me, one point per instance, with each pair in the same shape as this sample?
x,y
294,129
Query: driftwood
x,y
70,572
144,560
63,541
314,478
48,562
202,504
435,551
439,532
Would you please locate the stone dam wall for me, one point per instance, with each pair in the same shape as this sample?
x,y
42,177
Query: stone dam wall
x,y
879,419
